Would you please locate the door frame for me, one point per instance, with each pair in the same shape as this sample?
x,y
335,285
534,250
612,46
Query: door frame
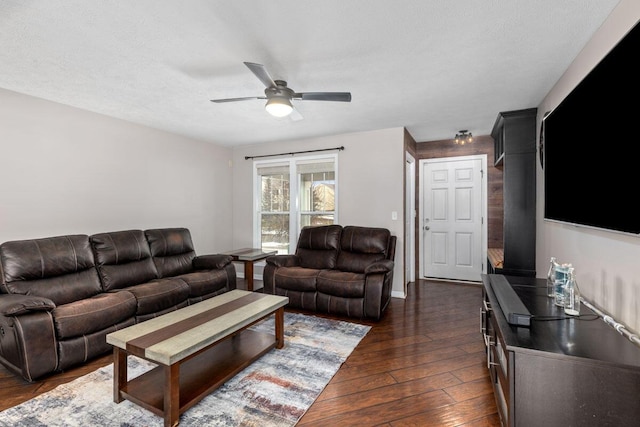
x,y
483,188
410,216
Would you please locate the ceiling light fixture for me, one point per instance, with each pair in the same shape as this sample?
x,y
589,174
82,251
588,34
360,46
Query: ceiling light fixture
x,y
279,106
463,137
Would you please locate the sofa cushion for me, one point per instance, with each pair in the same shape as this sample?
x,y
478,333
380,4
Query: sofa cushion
x,y
172,250
159,295
123,259
59,268
318,246
93,314
362,246
145,317
296,278
205,282
342,284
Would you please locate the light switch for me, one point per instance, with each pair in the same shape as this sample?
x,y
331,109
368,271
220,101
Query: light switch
x,y
394,215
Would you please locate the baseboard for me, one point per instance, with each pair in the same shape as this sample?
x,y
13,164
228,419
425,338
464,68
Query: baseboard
x,y
396,294
453,281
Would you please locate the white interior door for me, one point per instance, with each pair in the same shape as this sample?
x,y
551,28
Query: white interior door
x,y
452,210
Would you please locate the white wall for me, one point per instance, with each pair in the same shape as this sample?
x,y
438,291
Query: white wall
x,y
65,170
370,184
607,263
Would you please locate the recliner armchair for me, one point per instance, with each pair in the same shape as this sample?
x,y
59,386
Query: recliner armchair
x,y
344,271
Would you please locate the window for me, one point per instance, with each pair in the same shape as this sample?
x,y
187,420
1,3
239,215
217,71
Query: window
x,y
274,208
291,194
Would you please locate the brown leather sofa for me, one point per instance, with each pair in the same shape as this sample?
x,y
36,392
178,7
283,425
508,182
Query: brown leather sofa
x,y
344,271
60,296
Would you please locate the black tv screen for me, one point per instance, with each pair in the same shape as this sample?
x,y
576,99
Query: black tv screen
x,y
591,146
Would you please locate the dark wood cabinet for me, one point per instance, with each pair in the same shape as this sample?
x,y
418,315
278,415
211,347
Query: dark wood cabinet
x,y
498,151
514,135
559,371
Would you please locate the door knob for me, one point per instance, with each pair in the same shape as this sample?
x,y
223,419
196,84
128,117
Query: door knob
x,y
426,227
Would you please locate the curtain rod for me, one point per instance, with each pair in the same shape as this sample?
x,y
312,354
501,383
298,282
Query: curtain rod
x,y
294,152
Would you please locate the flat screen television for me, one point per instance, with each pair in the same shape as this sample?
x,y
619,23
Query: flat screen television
x,y
591,146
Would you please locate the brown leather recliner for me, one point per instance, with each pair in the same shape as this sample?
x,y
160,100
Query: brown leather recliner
x,y
344,271
60,296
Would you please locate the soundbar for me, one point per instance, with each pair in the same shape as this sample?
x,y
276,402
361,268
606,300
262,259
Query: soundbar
x,y
510,304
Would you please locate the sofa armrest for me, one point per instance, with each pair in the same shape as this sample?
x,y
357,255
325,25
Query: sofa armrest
x,y
283,260
27,335
210,262
382,266
17,304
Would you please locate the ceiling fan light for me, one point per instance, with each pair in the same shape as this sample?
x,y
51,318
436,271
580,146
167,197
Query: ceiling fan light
x,y
279,107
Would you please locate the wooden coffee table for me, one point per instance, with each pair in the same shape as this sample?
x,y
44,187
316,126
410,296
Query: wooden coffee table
x,y
197,349
249,256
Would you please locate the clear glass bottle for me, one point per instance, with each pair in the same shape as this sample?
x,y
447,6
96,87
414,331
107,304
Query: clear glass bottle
x,y
571,298
551,277
562,272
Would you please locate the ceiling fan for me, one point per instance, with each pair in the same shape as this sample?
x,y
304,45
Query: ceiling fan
x,y
279,95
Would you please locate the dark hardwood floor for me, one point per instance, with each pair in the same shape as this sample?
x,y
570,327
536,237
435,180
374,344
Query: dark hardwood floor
x,y
422,365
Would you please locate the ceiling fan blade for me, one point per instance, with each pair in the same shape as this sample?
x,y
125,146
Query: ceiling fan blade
x,y
295,115
246,98
324,96
261,72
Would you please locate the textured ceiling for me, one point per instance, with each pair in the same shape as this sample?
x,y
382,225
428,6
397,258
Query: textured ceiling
x,y
433,67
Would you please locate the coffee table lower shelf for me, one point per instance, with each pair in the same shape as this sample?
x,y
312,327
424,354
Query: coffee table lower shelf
x,y
197,375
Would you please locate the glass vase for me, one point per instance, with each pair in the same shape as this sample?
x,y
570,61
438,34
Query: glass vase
x,y
571,297
561,276
551,277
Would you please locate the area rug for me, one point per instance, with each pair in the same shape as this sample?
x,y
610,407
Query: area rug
x,y
276,390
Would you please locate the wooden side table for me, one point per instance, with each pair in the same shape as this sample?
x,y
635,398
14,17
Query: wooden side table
x,y
248,256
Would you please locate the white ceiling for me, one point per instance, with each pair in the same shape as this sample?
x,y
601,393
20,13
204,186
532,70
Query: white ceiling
x,y
432,66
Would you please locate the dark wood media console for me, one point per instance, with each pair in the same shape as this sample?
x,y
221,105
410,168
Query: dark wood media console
x,y
558,372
